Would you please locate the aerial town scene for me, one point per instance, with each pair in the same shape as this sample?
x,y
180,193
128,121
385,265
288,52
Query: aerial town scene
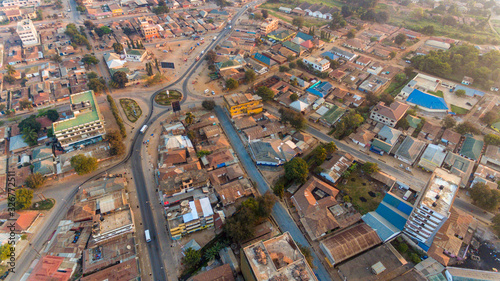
x,y
218,140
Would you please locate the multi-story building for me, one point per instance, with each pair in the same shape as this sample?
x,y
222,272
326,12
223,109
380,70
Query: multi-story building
x,y
241,104
86,126
189,216
269,25
389,115
275,259
27,32
433,207
318,64
21,3
148,28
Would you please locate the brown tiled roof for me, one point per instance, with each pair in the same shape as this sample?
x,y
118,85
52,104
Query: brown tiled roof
x,y
395,111
23,221
306,201
351,242
123,271
221,273
232,191
211,131
265,130
81,211
175,157
47,268
219,157
451,136
339,93
430,128
244,122
364,60
363,136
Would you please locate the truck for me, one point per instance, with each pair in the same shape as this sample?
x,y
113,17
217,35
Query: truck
x,y
143,129
215,38
146,234
407,195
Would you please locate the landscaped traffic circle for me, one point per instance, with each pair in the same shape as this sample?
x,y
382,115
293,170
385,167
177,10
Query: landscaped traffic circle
x,y
167,97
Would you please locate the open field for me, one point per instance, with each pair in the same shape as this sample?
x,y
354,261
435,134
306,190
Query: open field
x,y
131,109
458,110
359,188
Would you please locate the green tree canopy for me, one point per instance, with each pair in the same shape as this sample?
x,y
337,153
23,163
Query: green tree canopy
x,y
98,85
467,128
35,180
120,78
231,84
23,197
490,117
118,48
5,251
89,59
189,118
296,170
370,168
191,257
295,119
294,97
265,93
484,197
492,139
52,114
495,224
30,123
448,122
250,75
117,147
83,164
208,104
460,93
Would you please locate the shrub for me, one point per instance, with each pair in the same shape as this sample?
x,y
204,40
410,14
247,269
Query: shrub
x,y
116,114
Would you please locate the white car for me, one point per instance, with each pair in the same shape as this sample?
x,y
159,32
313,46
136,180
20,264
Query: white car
x,y
206,91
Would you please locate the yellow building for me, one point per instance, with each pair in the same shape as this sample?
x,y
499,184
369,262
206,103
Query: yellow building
x,y
116,9
243,104
269,25
189,217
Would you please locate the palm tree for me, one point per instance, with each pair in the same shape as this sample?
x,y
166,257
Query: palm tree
x,y
189,118
30,136
10,69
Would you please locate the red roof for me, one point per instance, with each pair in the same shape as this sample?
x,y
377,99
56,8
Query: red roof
x,y
307,44
44,121
47,269
23,222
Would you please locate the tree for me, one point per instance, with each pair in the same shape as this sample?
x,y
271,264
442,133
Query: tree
x,y
296,170
319,155
89,60
279,190
162,8
189,118
400,78
97,85
25,104
460,93
250,75
211,56
295,119
83,164
348,124
490,117
128,31
115,139
265,93
57,58
23,197
191,258
118,48
208,104
265,14
484,197
5,251
495,224
370,168
294,97
403,124
10,69
91,75
307,255
30,136
52,114
400,39
89,24
231,84
392,54
409,71
330,147
492,139
448,122
298,22
351,34
402,247
30,123
283,68
120,78
80,8
35,180
103,30
467,127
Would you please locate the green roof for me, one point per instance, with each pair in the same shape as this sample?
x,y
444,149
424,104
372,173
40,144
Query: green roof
x,y
472,148
281,35
332,115
123,69
413,121
81,118
381,145
292,46
136,52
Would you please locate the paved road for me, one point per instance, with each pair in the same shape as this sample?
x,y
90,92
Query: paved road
x,y
279,213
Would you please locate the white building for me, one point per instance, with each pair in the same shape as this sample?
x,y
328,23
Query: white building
x,y
136,55
433,208
21,3
389,115
27,32
318,64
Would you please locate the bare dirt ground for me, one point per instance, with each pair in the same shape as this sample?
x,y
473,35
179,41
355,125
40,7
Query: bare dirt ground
x,y
106,113
202,82
271,174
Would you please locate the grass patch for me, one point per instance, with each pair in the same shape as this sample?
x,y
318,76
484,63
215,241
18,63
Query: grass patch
x,y
131,109
3,269
163,99
458,110
437,94
395,88
358,187
44,205
273,9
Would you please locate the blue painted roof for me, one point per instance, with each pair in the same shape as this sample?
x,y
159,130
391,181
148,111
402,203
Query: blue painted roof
x,y
330,55
262,58
468,91
392,215
398,204
304,36
320,89
382,227
427,100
